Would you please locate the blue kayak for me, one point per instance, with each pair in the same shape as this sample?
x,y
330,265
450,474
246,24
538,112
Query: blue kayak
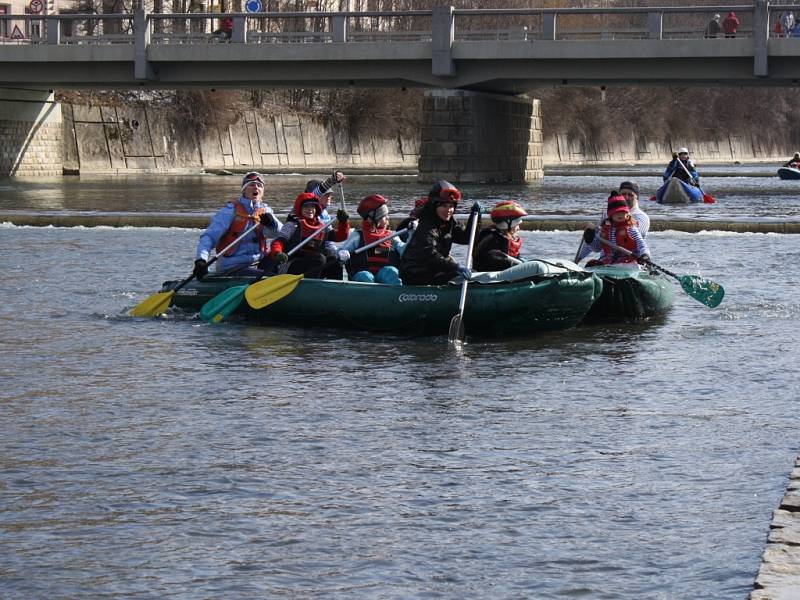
x,y
788,173
675,191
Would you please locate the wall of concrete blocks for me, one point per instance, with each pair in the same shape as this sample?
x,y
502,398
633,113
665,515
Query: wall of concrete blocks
x,y
131,138
30,133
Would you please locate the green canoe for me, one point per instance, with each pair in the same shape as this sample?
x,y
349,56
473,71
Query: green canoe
x,y
630,294
543,303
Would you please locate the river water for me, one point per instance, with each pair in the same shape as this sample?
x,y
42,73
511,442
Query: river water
x,y
169,458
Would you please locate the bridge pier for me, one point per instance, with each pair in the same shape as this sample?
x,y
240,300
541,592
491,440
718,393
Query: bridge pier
x,y
475,137
30,133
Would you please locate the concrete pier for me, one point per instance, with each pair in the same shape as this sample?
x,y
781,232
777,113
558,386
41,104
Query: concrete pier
x,y
30,133
779,575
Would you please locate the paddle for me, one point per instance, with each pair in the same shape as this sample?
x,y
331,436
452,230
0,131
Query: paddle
x,y
383,239
158,303
264,292
707,198
706,291
456,332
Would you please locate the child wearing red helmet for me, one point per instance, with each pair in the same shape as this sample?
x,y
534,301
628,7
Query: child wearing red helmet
x,y
498,246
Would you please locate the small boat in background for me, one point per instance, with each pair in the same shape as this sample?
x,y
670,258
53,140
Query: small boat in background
x,y
789,173
676,191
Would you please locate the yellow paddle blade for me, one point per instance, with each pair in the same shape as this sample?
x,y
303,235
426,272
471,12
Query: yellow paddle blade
x,y
265,292
154,305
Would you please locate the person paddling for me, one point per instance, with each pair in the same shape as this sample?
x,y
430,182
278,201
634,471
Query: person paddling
x,y
681,167
620,229
374,265
323,190
229,223
426,259
318,258
498,246
794,162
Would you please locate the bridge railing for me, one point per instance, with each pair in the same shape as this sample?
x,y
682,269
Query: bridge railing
x,y
451,26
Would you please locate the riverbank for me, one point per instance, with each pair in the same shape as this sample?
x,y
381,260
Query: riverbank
x,y
556,223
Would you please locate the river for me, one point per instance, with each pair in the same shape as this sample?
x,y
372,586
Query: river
x,y
170,458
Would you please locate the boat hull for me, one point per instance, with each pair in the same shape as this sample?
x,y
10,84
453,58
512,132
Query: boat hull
x,y
630,294
675,191
546,303
788,173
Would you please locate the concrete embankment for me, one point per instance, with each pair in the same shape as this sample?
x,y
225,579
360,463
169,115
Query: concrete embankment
x,y
779,575
557,223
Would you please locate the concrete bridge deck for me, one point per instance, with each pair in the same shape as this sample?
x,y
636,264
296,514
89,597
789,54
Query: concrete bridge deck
x,y
440,48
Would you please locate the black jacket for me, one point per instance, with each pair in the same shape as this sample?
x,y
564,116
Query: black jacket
x,y
491,251
428,252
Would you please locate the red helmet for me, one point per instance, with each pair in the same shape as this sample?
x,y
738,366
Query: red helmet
x,y
306,198
507,214
443,191
373,207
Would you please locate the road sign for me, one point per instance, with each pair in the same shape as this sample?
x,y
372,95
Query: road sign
x,y
252,6
17,33
36,6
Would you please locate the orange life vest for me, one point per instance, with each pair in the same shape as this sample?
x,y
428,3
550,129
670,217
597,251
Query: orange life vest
x,y
621,238
242,220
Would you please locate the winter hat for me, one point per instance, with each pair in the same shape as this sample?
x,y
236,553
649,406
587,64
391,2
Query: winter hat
x,y
616,203
629,185
253,177
312,185
419,204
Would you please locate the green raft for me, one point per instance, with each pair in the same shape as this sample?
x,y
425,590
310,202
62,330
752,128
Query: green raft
x,y
630,294
542,303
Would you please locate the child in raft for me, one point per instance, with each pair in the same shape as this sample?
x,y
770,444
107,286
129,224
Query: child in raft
x,y
498,246
373,265
620,229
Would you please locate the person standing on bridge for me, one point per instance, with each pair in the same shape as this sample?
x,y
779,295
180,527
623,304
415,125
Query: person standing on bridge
x,y
713,29
233,220
731,25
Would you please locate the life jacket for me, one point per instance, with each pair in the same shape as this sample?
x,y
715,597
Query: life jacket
x,y
304,229
242,220
620,238
514,246
375,258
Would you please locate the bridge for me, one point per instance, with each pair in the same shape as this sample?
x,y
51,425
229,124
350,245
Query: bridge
x,y
506,51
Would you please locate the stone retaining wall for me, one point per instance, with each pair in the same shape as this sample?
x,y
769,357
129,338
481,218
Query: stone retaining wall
x,y
131,138
30,133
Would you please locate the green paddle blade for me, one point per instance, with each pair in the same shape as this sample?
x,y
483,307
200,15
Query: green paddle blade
x,y
265,292
708,292
223,304
154,305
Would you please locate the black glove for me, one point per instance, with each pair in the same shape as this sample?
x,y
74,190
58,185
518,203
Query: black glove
x,y
342,216
267,220
200,268
281,257
588,235
476,208
337,177
644,259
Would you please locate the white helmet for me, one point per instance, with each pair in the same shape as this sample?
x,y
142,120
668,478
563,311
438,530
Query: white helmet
x,y
683,151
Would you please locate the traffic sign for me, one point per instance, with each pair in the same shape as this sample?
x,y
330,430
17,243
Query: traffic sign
x,y
252,6
36,6
17,33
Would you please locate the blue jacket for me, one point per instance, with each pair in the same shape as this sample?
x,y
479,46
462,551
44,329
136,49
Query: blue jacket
x,y
676,170
246,252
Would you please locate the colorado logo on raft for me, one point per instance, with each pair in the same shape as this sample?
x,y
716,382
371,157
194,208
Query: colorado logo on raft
x,y
418,297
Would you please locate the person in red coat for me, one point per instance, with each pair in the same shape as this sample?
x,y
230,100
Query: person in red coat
x,y
730,25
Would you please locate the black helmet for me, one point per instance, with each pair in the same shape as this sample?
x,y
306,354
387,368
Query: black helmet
x,y
444,191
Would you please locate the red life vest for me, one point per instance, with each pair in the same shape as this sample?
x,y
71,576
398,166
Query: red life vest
x,y
378,256
621,238
304,229
241,221
514,246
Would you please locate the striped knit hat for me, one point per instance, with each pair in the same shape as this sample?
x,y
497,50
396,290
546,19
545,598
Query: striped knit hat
x,y
616,203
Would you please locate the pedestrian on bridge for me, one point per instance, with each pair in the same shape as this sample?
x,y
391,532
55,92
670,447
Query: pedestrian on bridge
x,y
731,25
713,29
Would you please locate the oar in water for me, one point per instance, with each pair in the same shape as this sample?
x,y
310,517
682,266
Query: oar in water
x,y
158,303
456,332
227,301
706,291
707,198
